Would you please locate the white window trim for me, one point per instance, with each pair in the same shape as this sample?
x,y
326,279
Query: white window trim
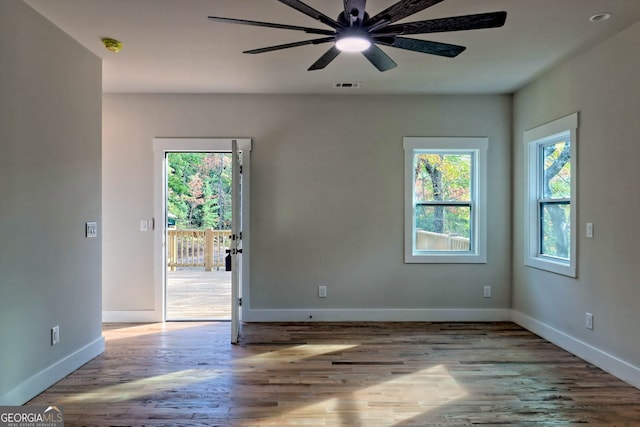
x,y
533,138
480,145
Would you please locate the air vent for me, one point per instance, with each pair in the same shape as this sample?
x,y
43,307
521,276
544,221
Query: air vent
x,y
346,85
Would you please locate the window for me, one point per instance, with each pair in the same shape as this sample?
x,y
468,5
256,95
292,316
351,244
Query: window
x,y
445,200
551,207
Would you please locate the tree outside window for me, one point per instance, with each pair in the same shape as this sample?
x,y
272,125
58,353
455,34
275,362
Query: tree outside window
x,y
555,199
445,199
551,213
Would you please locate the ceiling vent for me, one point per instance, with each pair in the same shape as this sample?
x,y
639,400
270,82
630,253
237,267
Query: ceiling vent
x,y
347,85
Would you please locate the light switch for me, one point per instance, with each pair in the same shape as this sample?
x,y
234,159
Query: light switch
x,y
589,230
91,229
322,291
144,225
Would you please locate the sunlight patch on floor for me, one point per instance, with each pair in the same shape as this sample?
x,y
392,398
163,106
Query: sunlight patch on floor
x,y
144,387
295,353
113,332
420,392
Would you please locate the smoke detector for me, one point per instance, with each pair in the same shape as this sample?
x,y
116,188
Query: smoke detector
x,y
112,45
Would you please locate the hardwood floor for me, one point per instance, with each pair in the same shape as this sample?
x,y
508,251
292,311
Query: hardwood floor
x,y
338,374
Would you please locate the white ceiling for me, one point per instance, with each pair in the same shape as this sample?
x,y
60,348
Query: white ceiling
x,y
171,46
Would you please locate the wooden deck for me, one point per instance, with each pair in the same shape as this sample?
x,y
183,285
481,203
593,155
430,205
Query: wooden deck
x,y
195,294
338,374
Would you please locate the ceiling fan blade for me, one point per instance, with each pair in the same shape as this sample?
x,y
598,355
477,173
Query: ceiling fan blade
x,y
289,45
325,59
398,11
424,46
354,10
379,59
455,23
271,25
309,11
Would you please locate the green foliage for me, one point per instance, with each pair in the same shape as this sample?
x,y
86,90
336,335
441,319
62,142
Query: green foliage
x,y
443,177
555,218
454,173
555,222
557,170
199,190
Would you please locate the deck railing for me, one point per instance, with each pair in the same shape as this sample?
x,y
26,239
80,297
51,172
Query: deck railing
x,y
427,240
206,248
197,248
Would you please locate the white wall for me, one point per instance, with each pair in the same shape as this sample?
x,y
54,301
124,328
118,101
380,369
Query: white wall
x,y
326,200
602,85
50,121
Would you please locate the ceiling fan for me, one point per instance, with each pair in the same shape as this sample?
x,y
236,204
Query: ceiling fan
x,y
355,31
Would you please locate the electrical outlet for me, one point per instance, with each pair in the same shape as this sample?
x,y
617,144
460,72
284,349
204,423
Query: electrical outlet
x,y
322,291
487,292
55,335
588,321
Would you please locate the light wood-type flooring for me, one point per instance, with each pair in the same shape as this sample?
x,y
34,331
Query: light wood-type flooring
x,y
195,294
338,374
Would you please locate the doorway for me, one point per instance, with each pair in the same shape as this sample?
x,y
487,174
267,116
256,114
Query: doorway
x,y
169,218
198,237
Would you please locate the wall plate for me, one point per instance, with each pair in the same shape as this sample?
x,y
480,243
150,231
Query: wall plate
x,y
91,229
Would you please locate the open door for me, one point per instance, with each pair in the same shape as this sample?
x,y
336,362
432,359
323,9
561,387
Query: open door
x,y
240,149
236,241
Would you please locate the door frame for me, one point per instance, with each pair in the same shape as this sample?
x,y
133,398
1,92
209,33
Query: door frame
x,y
161,146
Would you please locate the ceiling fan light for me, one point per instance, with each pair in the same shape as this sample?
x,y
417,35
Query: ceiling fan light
x,y
353,43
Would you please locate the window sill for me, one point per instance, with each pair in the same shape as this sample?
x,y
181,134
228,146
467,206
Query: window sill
x,y
445,259
565,269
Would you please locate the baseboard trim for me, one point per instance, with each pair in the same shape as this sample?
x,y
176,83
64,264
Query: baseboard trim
x,y
52,374
612,364
132,316
605,361
377,315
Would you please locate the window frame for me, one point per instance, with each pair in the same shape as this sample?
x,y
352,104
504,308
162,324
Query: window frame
x,y
476,145
535,138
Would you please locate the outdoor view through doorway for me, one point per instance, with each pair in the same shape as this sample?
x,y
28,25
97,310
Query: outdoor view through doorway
x,y
199,215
